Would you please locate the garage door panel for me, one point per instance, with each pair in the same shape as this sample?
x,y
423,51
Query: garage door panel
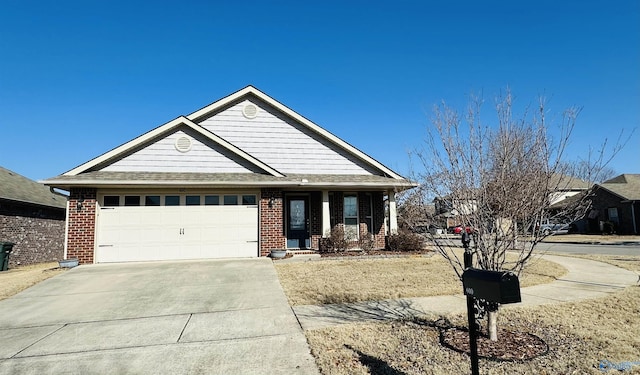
x,y
176,232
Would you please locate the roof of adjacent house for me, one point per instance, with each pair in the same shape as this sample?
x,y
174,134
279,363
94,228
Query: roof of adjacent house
x,y
626,186
15,187
561,182
95,173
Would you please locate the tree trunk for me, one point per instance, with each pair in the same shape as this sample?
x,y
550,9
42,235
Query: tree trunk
x,y
492,325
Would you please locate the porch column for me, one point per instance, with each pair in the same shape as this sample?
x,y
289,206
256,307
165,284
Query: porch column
x,y
326,219
393,214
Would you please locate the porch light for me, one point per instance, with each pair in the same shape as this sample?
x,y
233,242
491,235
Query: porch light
x,y
79,204
272,201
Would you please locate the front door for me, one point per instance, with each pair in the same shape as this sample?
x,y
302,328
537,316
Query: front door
x,y
298,222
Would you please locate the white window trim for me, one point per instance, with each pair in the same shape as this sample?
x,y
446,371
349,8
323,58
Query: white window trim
x,y
183,196
344,216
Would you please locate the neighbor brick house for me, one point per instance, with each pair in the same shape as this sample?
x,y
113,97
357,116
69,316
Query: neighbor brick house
x,y
237,178
616,201
32,217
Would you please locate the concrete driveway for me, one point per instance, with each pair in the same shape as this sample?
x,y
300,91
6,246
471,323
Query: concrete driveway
x,y
189,317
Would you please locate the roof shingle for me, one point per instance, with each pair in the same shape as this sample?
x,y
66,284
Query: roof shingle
x,y
18,188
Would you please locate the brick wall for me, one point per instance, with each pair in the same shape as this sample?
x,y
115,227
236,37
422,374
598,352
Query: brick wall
x,y
604,200
37,232
271,221
82,222
378,220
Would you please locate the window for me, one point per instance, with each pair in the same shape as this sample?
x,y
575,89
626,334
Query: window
x,y
612,213
152,200
351,217
249,199
192,200
111,201
171,200
230,200
131,200
211,200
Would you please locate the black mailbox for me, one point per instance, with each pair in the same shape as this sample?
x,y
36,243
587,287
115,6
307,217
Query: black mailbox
x,y
492,286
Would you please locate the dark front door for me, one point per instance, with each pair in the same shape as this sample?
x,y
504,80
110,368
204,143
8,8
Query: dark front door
x,y
298,222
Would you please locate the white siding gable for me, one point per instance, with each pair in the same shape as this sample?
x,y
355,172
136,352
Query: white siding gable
x,y
162,156
281,143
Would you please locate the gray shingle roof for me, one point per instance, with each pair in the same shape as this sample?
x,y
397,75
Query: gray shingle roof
x,y
156,179
626,186
21,189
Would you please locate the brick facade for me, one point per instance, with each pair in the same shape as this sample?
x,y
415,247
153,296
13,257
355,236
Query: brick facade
x,y
37,232
271,225
602,201
82,220
82,224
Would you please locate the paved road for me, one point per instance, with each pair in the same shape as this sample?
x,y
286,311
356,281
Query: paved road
x,y
631,249
190,317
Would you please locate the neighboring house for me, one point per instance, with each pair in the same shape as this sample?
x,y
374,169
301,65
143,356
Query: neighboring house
x,y
450,210
616,201
237,178
32,217
565,187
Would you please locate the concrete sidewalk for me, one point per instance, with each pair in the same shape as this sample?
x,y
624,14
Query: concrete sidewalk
x,y
185,317
584,279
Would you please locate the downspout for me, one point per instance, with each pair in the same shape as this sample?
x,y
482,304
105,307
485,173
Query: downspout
x,y
66,221
66,230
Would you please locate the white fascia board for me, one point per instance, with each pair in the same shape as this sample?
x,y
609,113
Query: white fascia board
x,y
124,147
301,119
223,102
164,129
133,183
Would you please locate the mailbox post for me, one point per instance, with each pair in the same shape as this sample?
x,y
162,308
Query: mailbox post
x,y
473,335
499,287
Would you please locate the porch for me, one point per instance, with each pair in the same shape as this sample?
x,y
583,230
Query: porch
x,y
302,220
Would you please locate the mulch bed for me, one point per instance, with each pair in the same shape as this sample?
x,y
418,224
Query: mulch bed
x,y
379,253
511,346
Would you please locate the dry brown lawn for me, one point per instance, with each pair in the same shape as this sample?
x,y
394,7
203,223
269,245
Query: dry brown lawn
x,y
354,280
18,279
584,337
581,337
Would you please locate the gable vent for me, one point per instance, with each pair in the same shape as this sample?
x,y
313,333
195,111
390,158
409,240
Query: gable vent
x,y
250,110
183,144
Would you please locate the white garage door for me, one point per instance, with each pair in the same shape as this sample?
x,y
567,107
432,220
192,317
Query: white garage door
x,y
176,232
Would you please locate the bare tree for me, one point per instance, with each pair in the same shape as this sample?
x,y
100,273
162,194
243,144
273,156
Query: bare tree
x,y
500,178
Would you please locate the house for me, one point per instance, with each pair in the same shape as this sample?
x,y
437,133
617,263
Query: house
x,y
563,187
237,178
616,202
32,217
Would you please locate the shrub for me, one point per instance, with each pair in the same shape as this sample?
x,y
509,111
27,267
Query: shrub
x,y
366,242
336,241
608,227
405,241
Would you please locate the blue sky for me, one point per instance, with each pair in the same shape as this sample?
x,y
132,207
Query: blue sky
x,y
78,78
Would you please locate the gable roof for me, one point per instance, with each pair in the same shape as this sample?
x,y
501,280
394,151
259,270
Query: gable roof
x,y
212,108
18,188
99,171
626,186
163,129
